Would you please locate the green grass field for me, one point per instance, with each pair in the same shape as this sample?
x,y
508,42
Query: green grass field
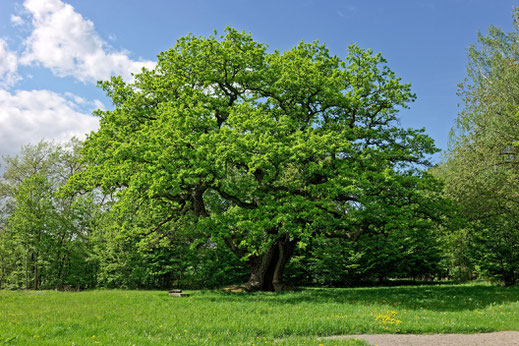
x,y
116,317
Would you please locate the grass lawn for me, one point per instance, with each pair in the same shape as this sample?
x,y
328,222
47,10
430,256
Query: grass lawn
x,y
116,317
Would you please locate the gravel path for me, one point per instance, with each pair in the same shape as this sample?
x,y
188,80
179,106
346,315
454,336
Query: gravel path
x,y
485,339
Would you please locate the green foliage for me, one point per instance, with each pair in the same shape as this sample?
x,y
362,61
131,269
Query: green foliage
x,y
227,149
132,260
368,260
11,255
480,170
227,141
46,232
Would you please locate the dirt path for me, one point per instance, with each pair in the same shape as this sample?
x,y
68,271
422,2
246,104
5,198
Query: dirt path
x,y
509,338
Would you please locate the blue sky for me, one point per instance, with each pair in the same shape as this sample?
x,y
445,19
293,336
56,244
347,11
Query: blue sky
x,y
53,51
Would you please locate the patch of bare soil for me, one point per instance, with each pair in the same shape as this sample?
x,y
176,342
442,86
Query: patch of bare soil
x,y
508,338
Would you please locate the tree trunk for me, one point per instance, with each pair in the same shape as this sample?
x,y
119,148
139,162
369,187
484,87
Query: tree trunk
x,y
2,275
36,255
27,269
60,262
267,269
35,282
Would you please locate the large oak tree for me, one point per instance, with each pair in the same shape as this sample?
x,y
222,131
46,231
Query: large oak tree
x,y
263,149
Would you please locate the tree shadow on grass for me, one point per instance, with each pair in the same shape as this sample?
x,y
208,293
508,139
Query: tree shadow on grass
x,y
436,298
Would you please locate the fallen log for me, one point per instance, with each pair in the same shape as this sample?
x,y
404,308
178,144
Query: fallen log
x,y
178,294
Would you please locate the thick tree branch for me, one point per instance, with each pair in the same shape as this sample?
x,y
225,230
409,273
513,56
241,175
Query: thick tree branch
x,y
240,203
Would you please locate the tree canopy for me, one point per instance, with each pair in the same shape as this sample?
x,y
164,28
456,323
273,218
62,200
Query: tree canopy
x,y
480,170
264,150
43,236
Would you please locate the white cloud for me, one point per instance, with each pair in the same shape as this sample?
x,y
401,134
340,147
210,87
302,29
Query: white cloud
x,y
16,20
67,43
8,66
77,99
99,105
29,116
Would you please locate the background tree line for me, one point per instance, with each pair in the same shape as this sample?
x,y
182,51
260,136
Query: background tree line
x,y
224,165
53,240
480,169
